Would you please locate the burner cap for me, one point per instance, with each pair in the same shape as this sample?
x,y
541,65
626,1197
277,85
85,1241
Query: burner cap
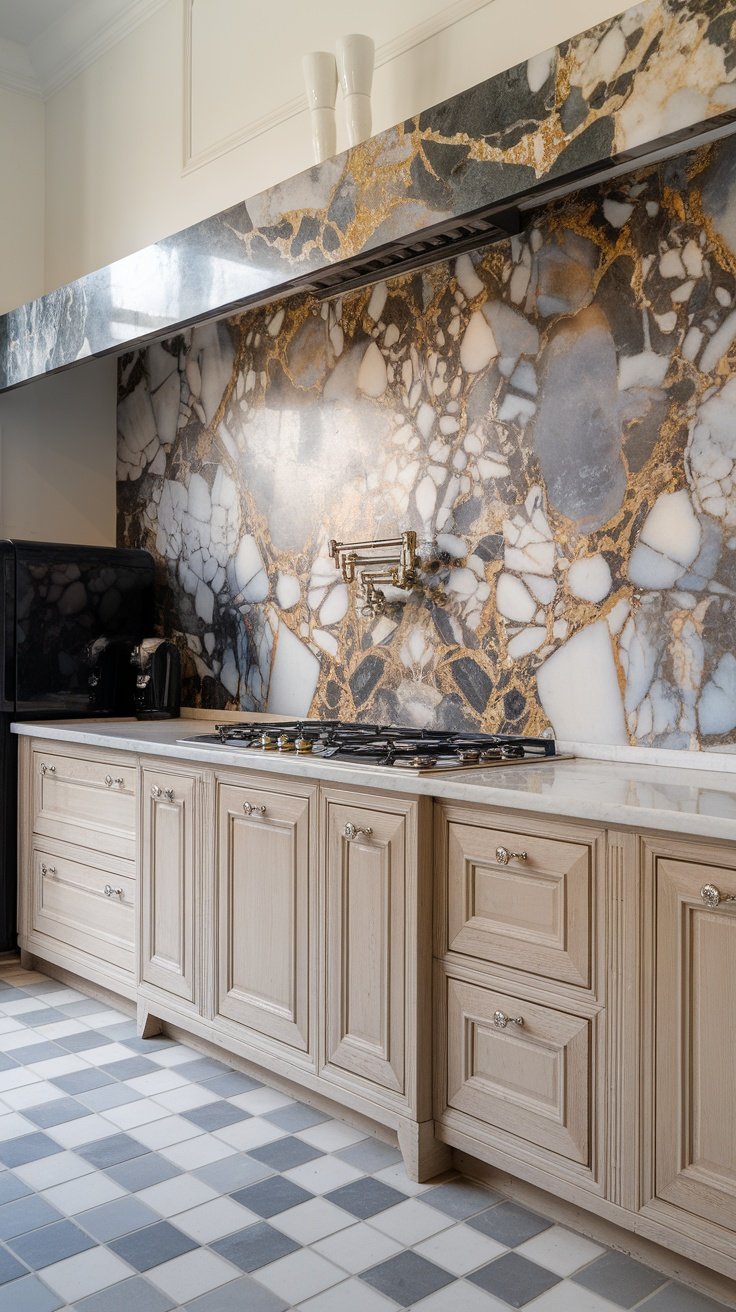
x,y
416,762
467,754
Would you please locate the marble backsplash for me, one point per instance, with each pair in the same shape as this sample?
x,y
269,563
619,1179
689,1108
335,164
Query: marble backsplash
x,y
554,415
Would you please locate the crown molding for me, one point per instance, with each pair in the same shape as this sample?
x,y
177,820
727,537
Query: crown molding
x,y
16,70
71,44
452,13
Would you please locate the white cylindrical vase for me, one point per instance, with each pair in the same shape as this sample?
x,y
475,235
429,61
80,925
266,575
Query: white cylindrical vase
x,y
355,58
320,79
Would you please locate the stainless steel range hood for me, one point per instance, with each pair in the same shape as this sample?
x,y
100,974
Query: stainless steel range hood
x,y
459,175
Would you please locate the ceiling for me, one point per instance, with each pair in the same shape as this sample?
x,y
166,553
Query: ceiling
x,y
24,20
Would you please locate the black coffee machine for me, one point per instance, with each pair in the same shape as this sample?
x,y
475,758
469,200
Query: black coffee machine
x,y
158,679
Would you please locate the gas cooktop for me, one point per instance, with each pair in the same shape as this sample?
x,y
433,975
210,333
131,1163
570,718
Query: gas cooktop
x,y
420,751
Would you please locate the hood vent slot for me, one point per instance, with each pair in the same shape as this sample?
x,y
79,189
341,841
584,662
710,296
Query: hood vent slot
x,y
433,245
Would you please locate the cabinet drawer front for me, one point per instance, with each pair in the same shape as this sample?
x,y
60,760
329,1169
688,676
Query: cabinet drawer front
x,y
532,1080
88,802
264,882
695,1050
532,913
366,926
70,905
167,922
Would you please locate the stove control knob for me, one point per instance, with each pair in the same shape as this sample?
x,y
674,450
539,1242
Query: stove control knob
x,y
503,856
284,743
352,831
266,742
303,746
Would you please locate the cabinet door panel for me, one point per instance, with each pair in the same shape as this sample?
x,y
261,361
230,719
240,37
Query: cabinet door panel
x,y
264,895
168,920
696,1042
70,904
85,801
366,926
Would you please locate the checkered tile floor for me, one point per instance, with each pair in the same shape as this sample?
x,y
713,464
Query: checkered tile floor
x,y
137,1174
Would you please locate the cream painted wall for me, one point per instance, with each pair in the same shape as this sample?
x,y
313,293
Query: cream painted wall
x,y
57,457
114,176
21,198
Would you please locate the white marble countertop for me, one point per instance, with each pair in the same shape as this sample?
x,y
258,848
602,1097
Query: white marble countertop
x,y
613,793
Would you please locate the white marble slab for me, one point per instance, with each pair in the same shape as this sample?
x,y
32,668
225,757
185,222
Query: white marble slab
x,y
613,793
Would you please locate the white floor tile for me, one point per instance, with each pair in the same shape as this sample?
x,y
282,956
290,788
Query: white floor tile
x,y
55,1066
14,1039
20,1006
323,1174
7,1025
175,1056
80,1195
72,1134
180,1194
312,1220
330,1136
460,1249
258,1101
59,1029
162,1133
351,1296
156,1082
192,1274
357,1248
298,1276
185,1097
560,1250
214,1219
12,1124
410,1222
94,1020
53,1170
462,1298
31,1095
568,1297
398,1179
107,1053
17,1077
85,1273
193,1153
141,1112
249,1134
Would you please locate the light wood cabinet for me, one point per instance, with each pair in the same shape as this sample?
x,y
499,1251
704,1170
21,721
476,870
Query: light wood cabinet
x,y
168,880
75,904
695,1041
265,882
87,800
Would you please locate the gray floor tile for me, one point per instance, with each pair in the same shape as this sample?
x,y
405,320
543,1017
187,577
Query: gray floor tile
x,y
407,1278
153,1245
56,1112
297,1116
255,1246
117,1218
10,1267
141,1172
27,1148
365,1197
216,1115
233,1173
37,1052
134,1295
272,1196
35,1018
6,1062
113,1094
81,1042
52,1243
26,1214
126,1031
460,1198
28,1295
111,1151
202,1069
84,1007
228,1086
514,1279
678,1298
620,1279
284,1154
129,1068
510,1224
82,1081
136,1044
11,1187
370,1155
244,1295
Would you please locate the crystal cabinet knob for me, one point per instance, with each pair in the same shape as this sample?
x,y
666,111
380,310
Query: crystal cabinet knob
x,y
117,782
168,793
503,856
109,891
48,769
253,810
352,831
501,1020
48,871
713,897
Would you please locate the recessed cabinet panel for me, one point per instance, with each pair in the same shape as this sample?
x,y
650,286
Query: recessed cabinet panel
x,y
77,903
168,919
366,925
85,801
264,878
696,1042
530,1079
520,900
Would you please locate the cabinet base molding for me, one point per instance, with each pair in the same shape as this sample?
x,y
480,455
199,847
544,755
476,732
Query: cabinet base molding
x,y
75,980
699,1265
424,1156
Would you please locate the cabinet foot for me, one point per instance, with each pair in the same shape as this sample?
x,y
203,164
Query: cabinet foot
x,y
148,1025
26,959
424,1155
